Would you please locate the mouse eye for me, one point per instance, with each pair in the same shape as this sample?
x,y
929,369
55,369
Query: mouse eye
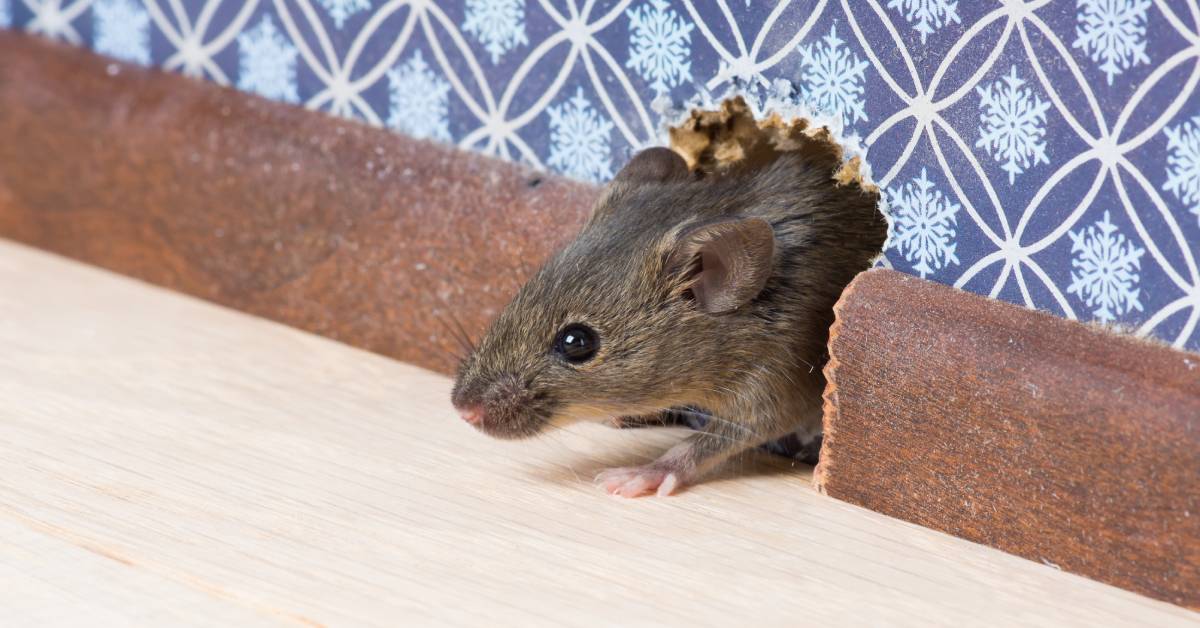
x,y
576,343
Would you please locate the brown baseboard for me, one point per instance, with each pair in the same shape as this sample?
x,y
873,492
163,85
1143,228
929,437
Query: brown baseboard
x,y
1043,437
349,231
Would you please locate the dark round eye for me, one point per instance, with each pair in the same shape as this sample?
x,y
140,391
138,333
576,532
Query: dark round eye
x,y
577,343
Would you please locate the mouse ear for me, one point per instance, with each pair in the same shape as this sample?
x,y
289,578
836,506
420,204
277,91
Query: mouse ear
x,y
725,264
653,165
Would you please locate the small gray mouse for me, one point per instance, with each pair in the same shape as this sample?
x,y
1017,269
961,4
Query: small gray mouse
x,y
682,290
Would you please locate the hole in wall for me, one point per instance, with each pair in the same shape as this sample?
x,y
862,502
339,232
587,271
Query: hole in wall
x,y
729,135
715,139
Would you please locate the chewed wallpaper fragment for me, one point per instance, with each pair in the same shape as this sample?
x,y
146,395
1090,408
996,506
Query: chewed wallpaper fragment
x,y
1042,152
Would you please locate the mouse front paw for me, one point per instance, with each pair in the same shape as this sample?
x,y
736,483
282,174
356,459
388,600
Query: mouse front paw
x,y
637,481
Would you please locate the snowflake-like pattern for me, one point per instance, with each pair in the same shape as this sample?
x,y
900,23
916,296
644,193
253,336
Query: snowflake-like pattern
x,y
927,16
340,10
497,24
659,45
1183,163
267,62
418,100
1012,124
1113,33
832,78
1106,263
923,222
122,30
579,140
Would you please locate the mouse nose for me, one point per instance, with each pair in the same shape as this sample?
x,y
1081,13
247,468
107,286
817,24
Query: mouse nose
x,y
472,415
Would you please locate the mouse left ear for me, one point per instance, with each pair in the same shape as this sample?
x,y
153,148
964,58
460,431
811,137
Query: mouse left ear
x,y
653,165
725,264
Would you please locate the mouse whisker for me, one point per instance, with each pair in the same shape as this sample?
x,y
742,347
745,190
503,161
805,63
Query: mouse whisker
x,y
466,336
462,342
462,337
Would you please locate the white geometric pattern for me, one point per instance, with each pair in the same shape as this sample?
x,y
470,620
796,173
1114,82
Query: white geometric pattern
x,y
339,10
927,16
267,62
418,99
122,30
579,140
498,24
923,225
1105,262
1012,124
832,77
1113,32
1064,133
659,44
1183,163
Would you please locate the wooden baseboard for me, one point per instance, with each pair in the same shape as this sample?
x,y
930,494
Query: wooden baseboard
x,y
353,232
1046,438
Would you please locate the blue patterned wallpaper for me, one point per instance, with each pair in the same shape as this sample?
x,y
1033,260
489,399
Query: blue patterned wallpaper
x,y
1043,152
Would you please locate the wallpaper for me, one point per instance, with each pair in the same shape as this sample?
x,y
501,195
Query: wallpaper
x,y
1042,152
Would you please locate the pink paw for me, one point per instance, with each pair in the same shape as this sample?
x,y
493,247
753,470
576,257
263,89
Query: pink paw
x,y
638,481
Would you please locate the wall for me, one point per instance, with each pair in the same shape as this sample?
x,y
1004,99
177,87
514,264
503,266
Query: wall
x,y
1046,153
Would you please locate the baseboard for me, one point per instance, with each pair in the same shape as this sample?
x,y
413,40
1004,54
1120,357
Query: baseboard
x,y
1047,438
349,231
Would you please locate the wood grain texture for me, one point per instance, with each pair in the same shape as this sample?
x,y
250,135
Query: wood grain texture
x,y
167,461
352,232
1047,438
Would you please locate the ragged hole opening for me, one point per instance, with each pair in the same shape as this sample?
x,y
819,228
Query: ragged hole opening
x,y
730,135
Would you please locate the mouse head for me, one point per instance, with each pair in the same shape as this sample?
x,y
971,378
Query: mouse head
x,y
617,322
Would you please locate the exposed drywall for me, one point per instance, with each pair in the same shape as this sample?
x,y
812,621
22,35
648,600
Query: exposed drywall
x,y
710,139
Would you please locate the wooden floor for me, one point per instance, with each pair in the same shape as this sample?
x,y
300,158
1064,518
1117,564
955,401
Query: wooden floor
x,y
167,462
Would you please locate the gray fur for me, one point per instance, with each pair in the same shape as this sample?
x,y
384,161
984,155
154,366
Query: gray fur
x,y
758,367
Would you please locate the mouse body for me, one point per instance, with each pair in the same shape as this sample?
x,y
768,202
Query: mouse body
x,y
681,292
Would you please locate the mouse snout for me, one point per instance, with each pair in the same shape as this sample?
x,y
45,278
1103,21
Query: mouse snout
x,y
472,414
500,406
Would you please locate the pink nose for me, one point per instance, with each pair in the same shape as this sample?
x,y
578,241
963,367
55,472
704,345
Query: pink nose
x,y
472,415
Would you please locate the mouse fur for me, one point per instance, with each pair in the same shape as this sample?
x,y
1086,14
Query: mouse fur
x,y
711,292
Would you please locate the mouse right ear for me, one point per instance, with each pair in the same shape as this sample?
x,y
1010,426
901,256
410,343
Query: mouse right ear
x,y
724,264
653,165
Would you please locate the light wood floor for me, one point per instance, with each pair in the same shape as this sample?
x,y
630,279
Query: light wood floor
x,y
167,462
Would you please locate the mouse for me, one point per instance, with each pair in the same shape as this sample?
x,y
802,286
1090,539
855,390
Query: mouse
x,y
684,292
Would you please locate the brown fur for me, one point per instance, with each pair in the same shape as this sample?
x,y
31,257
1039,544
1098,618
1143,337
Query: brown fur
x,y
757,368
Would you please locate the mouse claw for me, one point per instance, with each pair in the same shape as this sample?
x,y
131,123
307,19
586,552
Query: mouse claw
x,y
638,481
668,486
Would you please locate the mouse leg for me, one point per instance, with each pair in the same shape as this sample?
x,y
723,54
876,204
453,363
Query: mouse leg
x,y
658,419
683,416
688,460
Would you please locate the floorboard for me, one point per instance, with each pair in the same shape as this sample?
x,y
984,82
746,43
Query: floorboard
x,y
167,461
